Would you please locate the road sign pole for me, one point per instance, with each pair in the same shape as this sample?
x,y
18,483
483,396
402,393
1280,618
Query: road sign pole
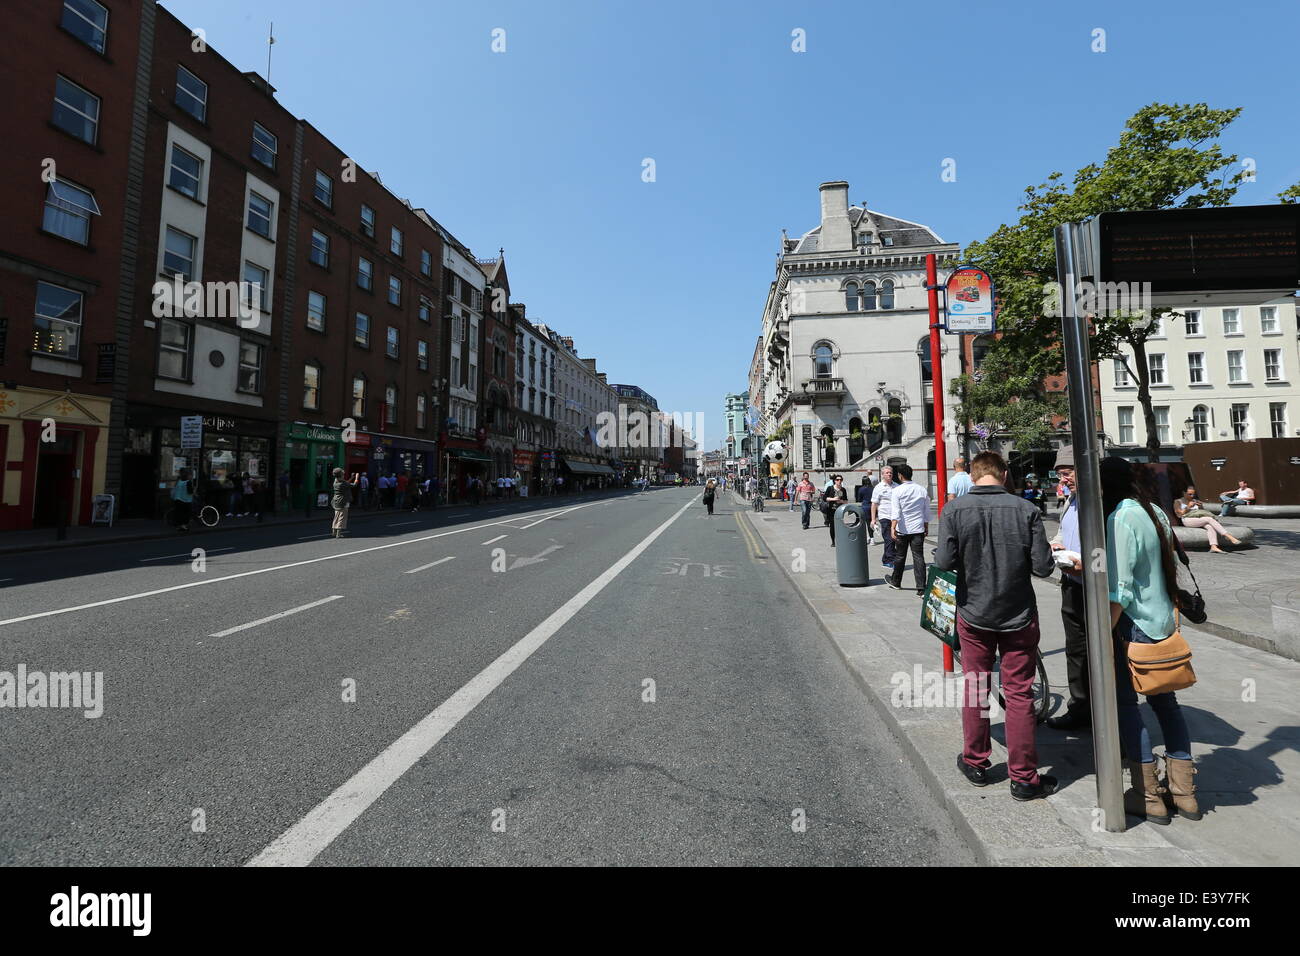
x,y
936,397
1101,655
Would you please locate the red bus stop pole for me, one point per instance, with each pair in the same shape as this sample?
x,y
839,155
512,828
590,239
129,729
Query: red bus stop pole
x,y
936,395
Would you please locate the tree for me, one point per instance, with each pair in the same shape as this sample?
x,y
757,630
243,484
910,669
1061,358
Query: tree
x,y
1007,398
1166,157
1291,194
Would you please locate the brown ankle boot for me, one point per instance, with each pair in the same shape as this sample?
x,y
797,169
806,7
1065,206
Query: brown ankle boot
x,y
1156,811
1135,801
1182,787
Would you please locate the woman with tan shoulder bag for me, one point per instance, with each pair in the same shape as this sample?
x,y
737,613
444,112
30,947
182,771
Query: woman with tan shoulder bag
x,y
1151,656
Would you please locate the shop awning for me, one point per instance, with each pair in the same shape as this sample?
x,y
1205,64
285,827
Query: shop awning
x,y
586,468
473,454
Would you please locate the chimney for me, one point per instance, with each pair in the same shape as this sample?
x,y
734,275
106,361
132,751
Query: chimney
x,y
837,236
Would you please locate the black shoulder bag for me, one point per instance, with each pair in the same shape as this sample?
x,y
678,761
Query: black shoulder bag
x,y
1192,605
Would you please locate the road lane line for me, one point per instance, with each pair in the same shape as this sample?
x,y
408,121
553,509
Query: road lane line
x,y
244,574
425,567
276,617
308,537
496,539
401,524
308,838
187,554
550,516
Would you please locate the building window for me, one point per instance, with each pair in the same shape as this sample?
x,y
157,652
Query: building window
x,y
421,412
1268,320
1240,422
1121,374
362,333
1156,366
426,309
394,290
1232,321
1196,368
324,190
311,386
57,321
76,111
191,94
391,342
366,274
87,21
823,361
1162,423
868,296
316,311
1272,365
250,367
472,384
367,221
887,294
422,355
68,209
174,342
395,241
265,145
257,287
185,173
851,297
455,371
1236,366
390,404
1126,425
923,353
359,396
426,262
1200,423
260,213
178,254
320,249
1277,419
1192,322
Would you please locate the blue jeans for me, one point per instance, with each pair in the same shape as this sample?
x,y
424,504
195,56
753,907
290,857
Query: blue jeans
x,y
807,511
1134,740
1230,503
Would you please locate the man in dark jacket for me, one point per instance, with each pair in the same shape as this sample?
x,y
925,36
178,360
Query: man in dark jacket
x,y
995,542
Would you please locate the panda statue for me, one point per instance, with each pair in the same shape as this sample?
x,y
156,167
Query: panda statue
x,y
775,451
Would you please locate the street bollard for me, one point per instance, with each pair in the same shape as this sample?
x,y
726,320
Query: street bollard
x,y
851,546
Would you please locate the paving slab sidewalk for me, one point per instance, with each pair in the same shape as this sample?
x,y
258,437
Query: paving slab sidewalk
x,y
1243,716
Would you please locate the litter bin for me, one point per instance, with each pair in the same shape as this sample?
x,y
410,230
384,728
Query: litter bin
x,y
851,546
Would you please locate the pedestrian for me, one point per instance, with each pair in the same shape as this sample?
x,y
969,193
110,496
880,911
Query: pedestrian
x,y
234,495
381,492
862,495
805,491
182,501
1143,596
909,528
1193,514
284,488
1242,495
709,489
961,481
996,544
252,496
402,485
882,513
341,501
1062,492
414,496
365,490
1078,712
791,492
838,495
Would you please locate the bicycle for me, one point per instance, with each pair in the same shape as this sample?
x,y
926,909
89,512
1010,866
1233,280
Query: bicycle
x,y
758,502
208,515
1040,689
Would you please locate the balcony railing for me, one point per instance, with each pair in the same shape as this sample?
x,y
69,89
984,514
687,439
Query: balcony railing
x,y
824,386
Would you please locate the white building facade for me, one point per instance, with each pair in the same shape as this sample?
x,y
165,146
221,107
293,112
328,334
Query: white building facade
x,y
846,374
1228,370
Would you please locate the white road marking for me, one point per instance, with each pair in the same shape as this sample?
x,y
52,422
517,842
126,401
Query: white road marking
x,y
308,537
401,524
496,539
550,516
187,554
276,617
309,837
244,574
425,567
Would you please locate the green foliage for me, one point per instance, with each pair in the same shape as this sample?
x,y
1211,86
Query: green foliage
x,y
1009,398
1291,194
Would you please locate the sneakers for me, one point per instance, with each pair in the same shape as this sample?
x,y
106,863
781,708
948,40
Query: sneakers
x,y
978,776
1071,720
1045,787
892,585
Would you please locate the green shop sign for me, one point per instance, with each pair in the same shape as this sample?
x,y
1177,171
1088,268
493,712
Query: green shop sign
x,y
315,432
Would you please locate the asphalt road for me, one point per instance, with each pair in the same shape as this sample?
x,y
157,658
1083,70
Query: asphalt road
x,y
569,681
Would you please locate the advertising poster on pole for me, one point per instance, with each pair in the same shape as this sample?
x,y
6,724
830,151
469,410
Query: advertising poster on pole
x,y
970,301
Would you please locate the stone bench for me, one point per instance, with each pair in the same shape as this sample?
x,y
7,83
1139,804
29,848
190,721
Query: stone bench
x,y
1197,539
1267,511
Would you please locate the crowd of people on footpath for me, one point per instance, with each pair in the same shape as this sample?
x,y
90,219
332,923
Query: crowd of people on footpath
x,y
995,541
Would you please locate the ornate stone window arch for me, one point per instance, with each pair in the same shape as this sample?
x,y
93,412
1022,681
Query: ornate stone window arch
x,y
824,355
851,295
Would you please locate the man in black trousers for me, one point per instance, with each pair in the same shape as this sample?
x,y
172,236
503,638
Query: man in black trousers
x,y
1078,714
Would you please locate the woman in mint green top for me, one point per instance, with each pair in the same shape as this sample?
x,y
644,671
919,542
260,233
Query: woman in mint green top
x,y
1143,588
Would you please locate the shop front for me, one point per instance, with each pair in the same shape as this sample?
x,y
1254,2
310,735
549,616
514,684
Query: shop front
x,y
55,448
313,452
394,454
228,448
524,468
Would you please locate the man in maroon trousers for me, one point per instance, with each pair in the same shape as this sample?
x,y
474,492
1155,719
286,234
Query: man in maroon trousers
x,y
995,542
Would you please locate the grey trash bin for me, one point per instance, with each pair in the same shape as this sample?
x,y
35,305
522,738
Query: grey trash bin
x,y
851,539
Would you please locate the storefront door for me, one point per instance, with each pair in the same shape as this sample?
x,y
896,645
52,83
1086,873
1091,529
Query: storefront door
x,y
56,465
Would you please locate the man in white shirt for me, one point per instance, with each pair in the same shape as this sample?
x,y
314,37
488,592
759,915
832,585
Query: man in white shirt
x,y
911,522
882,512
1243,494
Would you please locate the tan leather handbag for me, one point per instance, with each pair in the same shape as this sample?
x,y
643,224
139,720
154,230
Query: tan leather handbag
x,y
1164,666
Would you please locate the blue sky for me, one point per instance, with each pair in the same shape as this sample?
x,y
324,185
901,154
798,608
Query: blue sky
x,y
539,149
